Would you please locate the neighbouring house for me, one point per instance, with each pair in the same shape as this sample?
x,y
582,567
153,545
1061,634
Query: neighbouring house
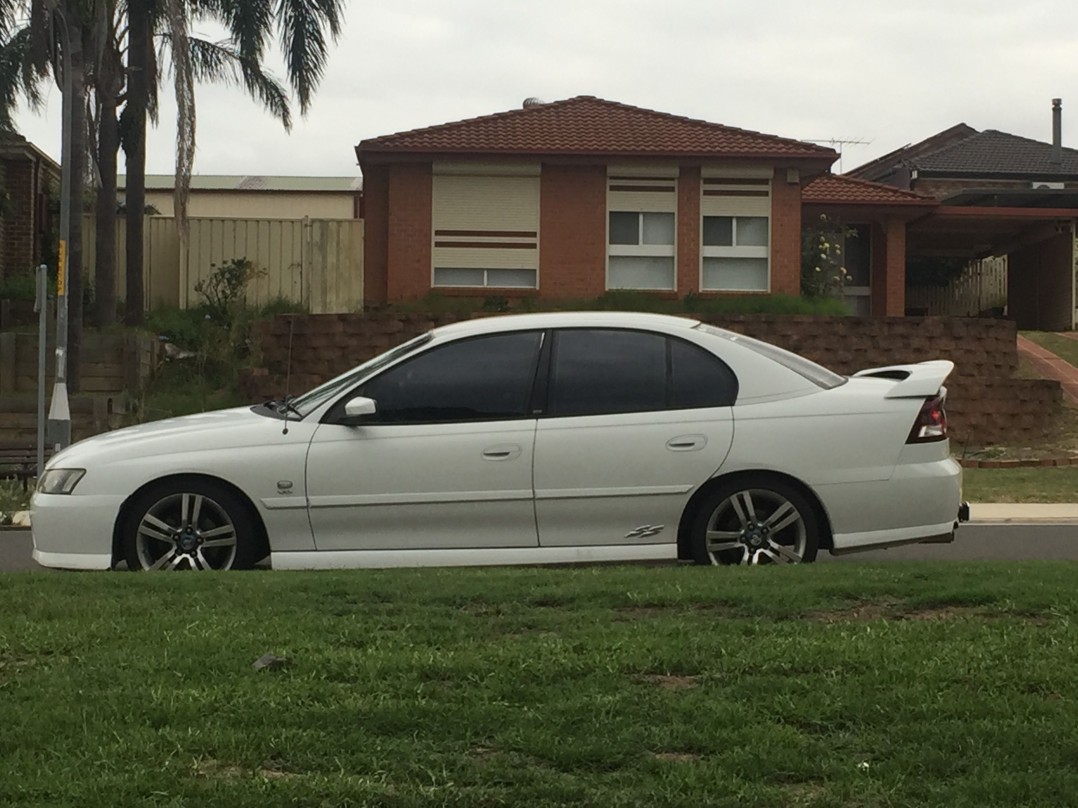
x,y
27,175
258,197
999,195
573,198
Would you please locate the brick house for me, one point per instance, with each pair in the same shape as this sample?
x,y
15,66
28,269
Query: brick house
x,y
572,198
26,175
998,194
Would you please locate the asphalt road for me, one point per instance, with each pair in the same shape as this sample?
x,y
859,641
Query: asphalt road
x,y
975,542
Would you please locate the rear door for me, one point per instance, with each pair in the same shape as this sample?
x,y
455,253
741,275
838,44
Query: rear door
x,y
633,422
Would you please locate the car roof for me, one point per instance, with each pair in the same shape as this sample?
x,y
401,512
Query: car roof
x,y
565,319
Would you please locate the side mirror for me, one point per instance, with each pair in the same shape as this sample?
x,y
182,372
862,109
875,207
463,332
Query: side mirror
x,y
360,405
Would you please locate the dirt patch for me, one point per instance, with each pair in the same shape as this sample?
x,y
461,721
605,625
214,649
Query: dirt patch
x,y
888,609
483,753
667,681
218,770
676,757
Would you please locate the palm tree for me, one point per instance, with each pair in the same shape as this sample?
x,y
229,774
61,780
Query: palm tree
x,y
191,60
302,27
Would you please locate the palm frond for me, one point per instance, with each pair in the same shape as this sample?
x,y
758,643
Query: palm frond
x,y
18,78
302,27
223,62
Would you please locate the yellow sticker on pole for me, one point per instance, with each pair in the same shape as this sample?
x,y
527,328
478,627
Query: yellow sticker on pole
x,y
61,269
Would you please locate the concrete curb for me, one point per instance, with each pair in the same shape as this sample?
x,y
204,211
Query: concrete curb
x,y
1023,512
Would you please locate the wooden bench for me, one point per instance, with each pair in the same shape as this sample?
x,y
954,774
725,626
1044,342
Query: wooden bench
x,y
19,461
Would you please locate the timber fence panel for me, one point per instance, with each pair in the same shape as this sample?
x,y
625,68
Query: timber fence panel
x,y
980,287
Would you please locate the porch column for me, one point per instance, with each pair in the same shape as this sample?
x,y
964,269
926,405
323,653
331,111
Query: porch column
x,y
889,275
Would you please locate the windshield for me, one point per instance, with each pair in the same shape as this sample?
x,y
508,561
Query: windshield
x,y
308,402
817,374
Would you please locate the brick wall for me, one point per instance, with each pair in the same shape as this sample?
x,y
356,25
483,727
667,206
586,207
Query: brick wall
x,y
375,233
409,233
688,230
986,405
572,231
19,234
785,236
572,234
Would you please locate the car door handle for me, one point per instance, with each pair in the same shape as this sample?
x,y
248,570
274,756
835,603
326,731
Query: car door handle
x,y
507,451
687,443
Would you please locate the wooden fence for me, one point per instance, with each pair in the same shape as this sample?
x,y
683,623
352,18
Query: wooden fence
x,y
980,287
317,263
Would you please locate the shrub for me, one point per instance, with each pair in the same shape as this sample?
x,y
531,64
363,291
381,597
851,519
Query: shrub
x,y
12,500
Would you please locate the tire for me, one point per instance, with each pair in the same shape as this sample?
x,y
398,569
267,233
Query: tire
x,y
190,525
755,520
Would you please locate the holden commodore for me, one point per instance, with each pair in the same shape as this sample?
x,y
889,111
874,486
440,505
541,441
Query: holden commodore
x,y
541,438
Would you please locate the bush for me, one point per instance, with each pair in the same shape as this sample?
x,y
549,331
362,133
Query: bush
x,y
12,500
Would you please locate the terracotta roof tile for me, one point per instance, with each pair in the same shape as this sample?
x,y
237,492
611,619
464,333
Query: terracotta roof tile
x,y
586,125
833,189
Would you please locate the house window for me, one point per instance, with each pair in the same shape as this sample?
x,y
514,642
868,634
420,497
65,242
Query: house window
x,y
486,226
735,209
641,235
641,247
735,253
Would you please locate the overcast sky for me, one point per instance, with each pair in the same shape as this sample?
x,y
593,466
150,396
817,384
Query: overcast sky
x,y
888,73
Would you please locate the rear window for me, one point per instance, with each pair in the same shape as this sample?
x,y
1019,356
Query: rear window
x,y
817,374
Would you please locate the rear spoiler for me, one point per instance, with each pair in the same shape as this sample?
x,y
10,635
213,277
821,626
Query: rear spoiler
x,y
919,380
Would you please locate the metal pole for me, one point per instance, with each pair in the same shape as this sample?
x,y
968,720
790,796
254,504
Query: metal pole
x,y
41,306
59,410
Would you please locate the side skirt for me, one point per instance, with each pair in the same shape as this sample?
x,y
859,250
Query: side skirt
x,y
471,557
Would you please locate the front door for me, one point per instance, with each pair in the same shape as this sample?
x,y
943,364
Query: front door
x,y
445,462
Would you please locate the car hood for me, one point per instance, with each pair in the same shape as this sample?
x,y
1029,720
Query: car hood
x,y
220,429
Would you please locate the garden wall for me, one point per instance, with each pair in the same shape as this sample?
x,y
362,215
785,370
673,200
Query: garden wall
x,y
985,403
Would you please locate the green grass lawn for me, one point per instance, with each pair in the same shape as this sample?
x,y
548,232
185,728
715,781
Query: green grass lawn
x,y
1038,484
824,685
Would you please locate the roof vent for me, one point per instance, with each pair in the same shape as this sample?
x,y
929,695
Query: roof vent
x,y
532,101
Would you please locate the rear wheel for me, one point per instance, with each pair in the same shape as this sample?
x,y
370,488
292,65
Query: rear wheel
x,y
189,525
755,520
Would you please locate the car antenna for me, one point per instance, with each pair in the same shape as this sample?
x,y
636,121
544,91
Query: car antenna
x,y
288,372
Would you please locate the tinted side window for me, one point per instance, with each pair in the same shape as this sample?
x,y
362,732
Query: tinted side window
x,y
699,378
607,371
481,379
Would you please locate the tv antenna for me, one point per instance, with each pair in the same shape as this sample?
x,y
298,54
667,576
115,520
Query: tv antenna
x,y
838,143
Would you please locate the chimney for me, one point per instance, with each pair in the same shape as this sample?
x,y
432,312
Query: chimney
x,y
1057,130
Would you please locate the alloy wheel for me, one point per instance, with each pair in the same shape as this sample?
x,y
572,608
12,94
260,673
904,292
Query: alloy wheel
x,y
186,531
756,526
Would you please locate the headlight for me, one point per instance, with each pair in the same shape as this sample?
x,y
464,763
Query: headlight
x,y
59,481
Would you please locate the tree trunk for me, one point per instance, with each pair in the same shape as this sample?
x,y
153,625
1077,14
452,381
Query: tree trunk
x,y
78,182
108,142
138,57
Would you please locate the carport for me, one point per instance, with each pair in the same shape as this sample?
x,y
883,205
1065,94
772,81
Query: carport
x,y
1035,229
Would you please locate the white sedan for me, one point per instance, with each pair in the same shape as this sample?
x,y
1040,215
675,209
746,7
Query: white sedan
x,y
544,438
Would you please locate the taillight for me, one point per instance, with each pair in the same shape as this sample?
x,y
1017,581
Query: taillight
x,y
931,423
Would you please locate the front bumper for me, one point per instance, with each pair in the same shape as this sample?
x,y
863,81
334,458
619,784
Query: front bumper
x,y
73,532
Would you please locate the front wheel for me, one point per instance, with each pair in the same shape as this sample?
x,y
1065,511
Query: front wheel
x,y
755,520
189,525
